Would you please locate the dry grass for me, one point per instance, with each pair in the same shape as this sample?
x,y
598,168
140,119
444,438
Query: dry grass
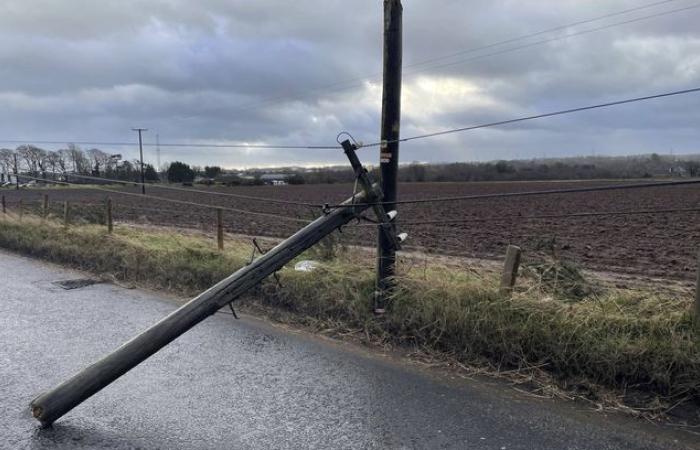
x,y
628,341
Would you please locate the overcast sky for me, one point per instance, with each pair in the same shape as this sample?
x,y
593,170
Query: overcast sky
x,y
299,72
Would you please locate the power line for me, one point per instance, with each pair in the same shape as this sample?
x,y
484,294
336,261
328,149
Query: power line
x,y
179,189
323,147
558,38
201,205
172,200
353,82
541,116
539,33
435,222
157,152
158,210
375,144
182,145
617,187
543,216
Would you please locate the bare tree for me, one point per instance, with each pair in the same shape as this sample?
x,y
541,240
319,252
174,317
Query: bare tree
x,y
52,161
15,163
693,168
24,155
63,158
40,156
99,161
34,158
7,160
78,159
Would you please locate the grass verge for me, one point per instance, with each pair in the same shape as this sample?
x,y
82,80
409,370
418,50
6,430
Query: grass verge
x,y
631,341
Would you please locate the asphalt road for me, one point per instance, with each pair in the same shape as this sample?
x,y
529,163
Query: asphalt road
x,y
244,384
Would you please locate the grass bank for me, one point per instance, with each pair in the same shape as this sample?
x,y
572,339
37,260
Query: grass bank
x,y
627,340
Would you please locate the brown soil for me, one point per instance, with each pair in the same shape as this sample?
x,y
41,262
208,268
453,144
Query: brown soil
x,y
661,245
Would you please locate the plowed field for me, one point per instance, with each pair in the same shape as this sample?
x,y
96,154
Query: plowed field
x,y
663,245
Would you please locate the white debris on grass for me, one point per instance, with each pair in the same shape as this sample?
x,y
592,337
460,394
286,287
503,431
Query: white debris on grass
x,y
306,266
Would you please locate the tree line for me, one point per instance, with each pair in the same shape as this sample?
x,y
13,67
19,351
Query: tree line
x,y
575,168
53,164
50,164
60,164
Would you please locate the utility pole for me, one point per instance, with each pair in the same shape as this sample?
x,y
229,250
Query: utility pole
x,y
16,174
158,155
143,177
389,156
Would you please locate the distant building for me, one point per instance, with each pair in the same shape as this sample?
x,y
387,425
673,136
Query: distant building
x,y
234,179
203,180
677,171
275,179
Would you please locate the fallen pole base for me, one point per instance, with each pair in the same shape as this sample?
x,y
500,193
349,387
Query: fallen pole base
x,y
53,404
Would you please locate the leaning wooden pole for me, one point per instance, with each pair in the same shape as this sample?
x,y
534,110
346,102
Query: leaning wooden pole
x,y
53,404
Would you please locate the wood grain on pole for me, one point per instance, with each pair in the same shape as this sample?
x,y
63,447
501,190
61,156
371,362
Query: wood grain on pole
x,y
389,152
21,208
4,205
108,216
220,228
510,269
55,403
66,213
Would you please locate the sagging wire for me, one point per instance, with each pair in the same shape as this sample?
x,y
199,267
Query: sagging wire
x,y
179,189
172,200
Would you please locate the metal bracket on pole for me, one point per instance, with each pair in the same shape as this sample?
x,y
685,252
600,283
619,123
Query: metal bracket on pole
x,y
372,192
257,247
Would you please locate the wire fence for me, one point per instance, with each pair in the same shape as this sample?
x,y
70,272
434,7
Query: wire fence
x,y
577,234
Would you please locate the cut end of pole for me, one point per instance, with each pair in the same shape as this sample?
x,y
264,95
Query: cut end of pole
x,y
37,411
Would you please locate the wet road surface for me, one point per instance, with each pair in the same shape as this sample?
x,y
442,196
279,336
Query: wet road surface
x,y
244,384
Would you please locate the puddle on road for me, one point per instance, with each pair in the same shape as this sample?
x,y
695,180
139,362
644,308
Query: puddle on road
x,y
75,284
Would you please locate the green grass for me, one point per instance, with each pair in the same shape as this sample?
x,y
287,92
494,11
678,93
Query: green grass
x,y
157,259
616,338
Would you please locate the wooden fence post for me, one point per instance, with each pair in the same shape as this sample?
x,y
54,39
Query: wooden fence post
x,y
696,307
510,269
21,209
220,228
108,218
66,213
45,206
4,205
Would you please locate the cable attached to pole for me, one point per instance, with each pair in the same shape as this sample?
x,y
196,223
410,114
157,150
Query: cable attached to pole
x,y
539,116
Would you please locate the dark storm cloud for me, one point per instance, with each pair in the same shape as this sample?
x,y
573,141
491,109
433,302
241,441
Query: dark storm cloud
x,y
225,71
